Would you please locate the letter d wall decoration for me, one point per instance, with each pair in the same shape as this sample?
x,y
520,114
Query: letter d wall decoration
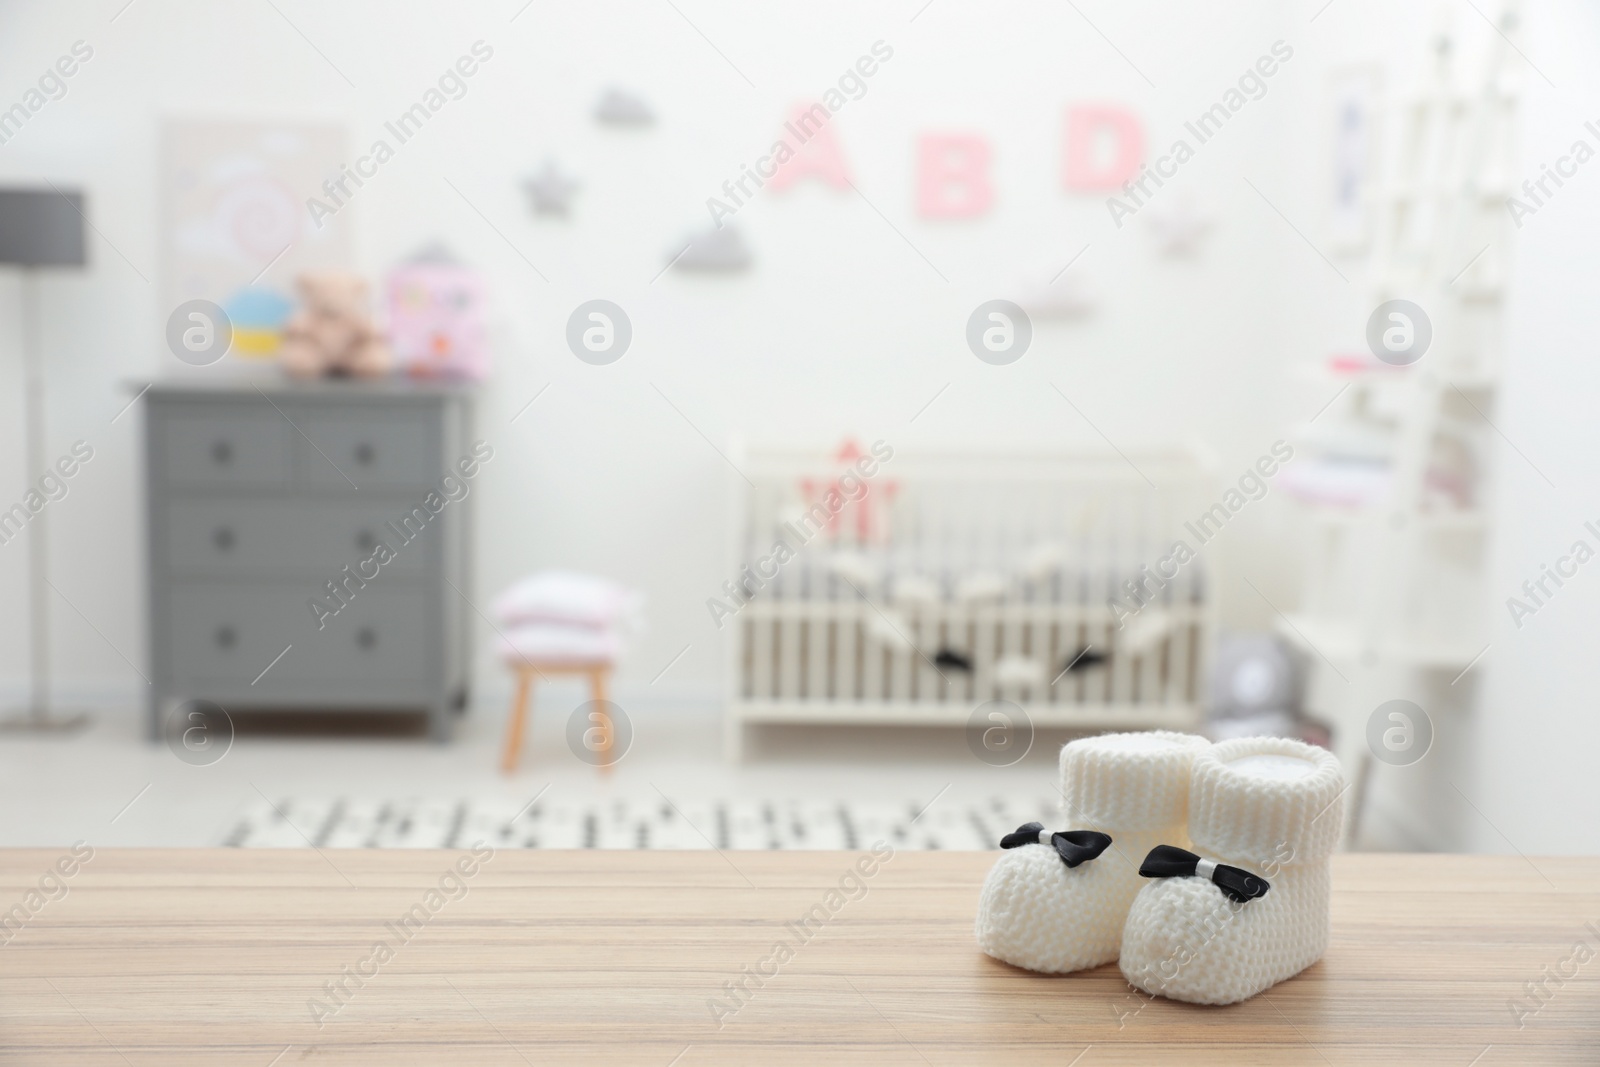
x,y
1104,147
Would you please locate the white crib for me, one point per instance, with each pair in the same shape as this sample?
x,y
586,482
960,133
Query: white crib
x,y
1006,561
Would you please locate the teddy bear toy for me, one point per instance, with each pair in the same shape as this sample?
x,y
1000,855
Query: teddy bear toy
x,y
332,333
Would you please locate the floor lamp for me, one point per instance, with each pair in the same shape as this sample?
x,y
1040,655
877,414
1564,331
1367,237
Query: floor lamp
x,y
39,228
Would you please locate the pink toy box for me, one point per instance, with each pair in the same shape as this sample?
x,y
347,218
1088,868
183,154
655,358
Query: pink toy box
x,y
436,318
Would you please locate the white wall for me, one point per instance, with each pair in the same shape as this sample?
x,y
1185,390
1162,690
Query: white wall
x,y
1539,732
840,326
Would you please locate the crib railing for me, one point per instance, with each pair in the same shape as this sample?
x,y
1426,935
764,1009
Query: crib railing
x,y
850,630
808,651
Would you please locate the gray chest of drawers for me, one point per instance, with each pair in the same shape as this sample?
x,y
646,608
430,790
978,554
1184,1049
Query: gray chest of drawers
x,y
306,544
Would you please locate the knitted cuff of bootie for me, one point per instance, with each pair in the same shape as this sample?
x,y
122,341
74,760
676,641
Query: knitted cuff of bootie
x,y
1266,802
1129,782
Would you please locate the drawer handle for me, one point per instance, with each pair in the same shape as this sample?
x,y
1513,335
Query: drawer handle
x,y
367,638
226,636
222,452
365,454
222,537
365,541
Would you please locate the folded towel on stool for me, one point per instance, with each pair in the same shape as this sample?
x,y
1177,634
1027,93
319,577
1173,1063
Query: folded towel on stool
x,y
543,643
570,598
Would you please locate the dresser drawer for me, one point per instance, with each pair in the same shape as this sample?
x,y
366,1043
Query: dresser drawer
x,y
311,538
233,631
374,446
233,444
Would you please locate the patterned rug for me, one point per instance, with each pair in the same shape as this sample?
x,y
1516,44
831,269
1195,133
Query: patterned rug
x,y
724,824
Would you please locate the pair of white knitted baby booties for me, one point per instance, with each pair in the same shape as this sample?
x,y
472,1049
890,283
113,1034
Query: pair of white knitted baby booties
x,y
1246,909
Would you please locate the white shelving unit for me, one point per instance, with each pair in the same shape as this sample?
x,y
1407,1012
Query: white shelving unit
x,y
1395,591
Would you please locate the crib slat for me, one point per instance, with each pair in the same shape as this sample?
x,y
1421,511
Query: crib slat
x,y
900,673
760,630
1194,649
788,627
744,683
1103,689
1148,690
816,647
847,655
983,625
924,679
957,684
872,656
1178,660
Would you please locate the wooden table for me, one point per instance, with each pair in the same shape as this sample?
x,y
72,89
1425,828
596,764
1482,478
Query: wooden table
x,y
222,957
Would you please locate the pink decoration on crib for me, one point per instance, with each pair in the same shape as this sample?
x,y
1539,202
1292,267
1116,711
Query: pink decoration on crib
x,y
953,176
868,527
816,151
1104,147
436,318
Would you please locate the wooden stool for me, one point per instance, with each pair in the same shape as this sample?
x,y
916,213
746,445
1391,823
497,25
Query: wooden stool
x,y
598,674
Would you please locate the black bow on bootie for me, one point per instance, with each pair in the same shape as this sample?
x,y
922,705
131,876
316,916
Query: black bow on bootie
x,y
1170,861
1074,846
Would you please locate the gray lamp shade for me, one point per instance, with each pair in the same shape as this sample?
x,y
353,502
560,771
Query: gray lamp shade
x,y
41,227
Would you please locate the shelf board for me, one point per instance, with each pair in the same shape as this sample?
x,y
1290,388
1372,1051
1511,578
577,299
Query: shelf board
x,y
1394,378
1354,515
1340,642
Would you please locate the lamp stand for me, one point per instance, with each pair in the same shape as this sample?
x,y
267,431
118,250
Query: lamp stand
x,y
38,716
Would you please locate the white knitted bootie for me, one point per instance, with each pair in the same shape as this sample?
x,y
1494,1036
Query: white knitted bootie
x,y
1251,909
1038,912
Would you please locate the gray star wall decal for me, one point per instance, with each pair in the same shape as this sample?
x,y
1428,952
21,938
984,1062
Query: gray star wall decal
x,y
1179,228
550,191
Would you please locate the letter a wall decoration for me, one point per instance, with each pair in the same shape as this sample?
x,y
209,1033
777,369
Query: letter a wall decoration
x,y
813,150
1104,147
953,176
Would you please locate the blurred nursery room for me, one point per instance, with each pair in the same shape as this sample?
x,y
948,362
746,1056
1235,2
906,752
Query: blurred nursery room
x,y
683,425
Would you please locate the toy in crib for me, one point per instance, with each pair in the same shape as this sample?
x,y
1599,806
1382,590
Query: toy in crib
x,y
911,593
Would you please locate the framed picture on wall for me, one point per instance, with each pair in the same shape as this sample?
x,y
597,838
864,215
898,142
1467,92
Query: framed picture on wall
x,y
236,227
1354,100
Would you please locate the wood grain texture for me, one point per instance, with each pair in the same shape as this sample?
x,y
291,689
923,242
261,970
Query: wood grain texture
x,y
213,957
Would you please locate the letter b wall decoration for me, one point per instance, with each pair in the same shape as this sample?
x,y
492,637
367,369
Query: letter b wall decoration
x,y
953,176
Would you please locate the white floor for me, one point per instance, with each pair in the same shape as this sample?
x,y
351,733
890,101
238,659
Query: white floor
x,y
109,786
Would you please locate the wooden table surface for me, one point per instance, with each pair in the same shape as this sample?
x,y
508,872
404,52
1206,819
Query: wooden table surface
x,y
227,957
